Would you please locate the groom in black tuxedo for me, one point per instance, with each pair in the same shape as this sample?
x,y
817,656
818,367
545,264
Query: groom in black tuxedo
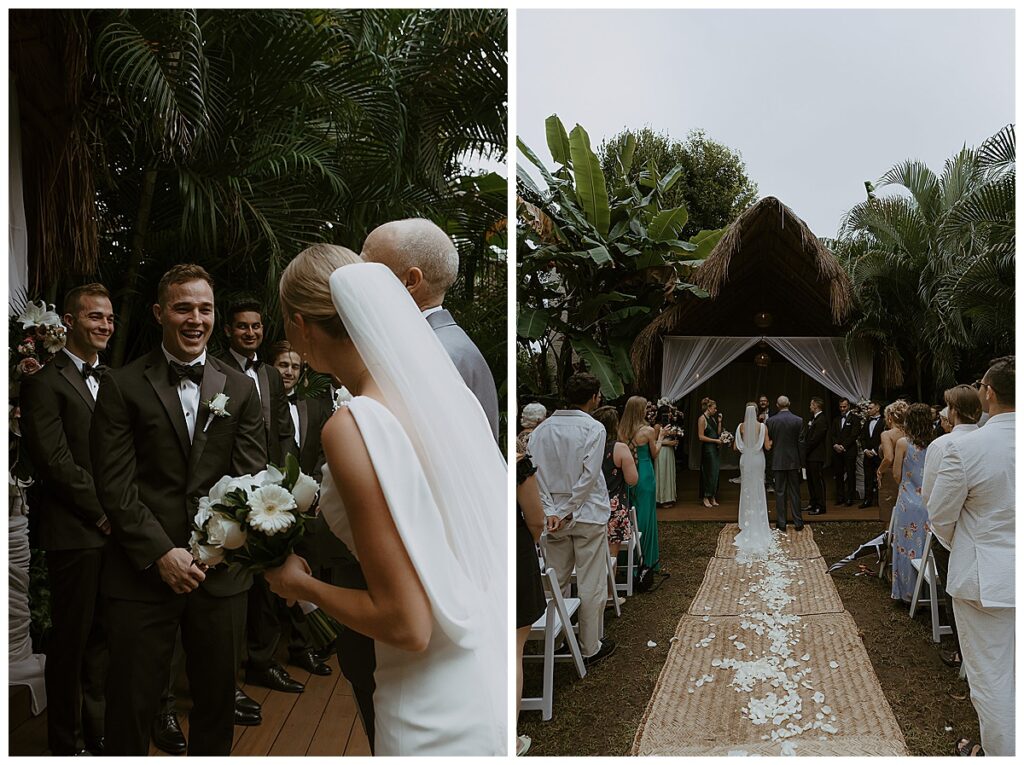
x,y
56,409
157,448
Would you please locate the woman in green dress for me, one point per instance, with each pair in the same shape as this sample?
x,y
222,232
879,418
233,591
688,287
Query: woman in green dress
x,y
709,433
645,443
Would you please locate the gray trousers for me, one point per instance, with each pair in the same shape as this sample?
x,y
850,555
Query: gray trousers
x,y
787,492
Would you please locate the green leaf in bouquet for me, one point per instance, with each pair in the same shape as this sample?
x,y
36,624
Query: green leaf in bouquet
x,y
291,471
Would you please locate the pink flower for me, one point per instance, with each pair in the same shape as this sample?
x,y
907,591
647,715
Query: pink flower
x,y
29,366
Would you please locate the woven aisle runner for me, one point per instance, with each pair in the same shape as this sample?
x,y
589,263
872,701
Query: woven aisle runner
x,y
796,544
695,710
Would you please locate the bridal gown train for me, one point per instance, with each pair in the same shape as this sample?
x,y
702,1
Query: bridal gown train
x,y
755,534
451,698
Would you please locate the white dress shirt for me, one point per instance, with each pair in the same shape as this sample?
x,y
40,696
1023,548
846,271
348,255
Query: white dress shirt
x,y
250,372
188,392
972,507
932,460
435,309
568,450
294,409
90,382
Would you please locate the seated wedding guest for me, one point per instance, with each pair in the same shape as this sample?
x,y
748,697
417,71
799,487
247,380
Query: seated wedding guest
x,y
895,414
567,449
911,516
57,403
973,509
709,433
532,416
427,261
619,473
645,443
962,412
665,465
530,599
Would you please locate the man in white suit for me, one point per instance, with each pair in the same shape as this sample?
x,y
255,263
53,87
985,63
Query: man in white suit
x,y
971,507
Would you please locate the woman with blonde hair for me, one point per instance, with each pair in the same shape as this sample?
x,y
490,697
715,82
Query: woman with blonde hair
x,y
415,487
895,416
709,432
644,442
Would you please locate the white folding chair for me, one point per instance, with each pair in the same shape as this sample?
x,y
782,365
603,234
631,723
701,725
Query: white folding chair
x,y
611,586
886,559
557,620
631,557
928,574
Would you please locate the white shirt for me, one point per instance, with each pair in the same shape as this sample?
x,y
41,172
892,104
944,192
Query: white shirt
x,y
971,505
294,409
872,422
250,372
90,382
568,450
435,309
932,460
188,392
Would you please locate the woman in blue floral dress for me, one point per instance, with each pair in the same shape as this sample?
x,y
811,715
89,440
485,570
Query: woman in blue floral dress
x,y
910,526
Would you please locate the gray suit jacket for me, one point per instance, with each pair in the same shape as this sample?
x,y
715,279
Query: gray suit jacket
x,y
470,363
785,429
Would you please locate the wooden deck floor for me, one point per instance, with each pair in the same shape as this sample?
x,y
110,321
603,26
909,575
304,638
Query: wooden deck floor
x,y
320,721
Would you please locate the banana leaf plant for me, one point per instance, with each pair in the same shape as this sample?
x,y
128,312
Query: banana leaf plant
x,y
598,260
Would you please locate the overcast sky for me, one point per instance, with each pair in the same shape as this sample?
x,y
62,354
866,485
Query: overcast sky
x,y
816,102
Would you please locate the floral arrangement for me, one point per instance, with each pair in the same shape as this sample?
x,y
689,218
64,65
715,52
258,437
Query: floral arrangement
x,y
34,337
255,521
341,396
726,437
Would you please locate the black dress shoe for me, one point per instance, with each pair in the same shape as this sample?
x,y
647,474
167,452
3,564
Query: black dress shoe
x,y
167,735
245,717
780,528
808,509
607,649
309,661
274,677
798,528
815,511
245,703
95,747
866,503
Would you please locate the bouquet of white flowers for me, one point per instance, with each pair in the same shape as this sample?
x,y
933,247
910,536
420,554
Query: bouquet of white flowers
x,y
726,438
255,521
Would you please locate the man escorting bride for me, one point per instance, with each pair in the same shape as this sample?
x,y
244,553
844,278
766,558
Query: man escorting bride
x,y
415,485
751,440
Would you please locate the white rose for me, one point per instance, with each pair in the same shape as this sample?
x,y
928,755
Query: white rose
x,y
304,491
269,476
219,405
203,512
271,509
225,532
228,484
207,554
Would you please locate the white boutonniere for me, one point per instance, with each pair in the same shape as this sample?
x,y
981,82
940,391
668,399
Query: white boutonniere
x,y
218,407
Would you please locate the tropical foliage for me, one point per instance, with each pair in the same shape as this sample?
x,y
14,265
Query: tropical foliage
x,y
235,138
713,186
599,257
933,266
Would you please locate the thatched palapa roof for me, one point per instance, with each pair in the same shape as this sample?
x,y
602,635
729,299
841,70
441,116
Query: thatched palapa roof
x,y
768,261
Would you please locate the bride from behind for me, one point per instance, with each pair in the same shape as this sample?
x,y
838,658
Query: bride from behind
x,y
755,535
415,486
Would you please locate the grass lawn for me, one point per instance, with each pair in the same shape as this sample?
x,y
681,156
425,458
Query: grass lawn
x,y
599,714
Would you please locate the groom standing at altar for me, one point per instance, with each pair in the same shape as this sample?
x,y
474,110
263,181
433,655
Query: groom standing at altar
x,y
157,449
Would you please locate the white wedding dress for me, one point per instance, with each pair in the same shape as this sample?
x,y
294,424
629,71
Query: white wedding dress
x,y
445,484
755,535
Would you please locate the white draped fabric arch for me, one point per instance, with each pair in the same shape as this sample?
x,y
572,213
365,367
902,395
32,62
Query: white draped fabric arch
x,y
843,367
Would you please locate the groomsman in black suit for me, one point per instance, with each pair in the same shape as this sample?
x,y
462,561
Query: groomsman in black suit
x,y
871,444
56,410
157,448
844,434
267,613
815,438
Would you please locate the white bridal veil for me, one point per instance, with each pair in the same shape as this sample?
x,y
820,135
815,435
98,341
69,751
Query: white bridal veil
x,y
755,535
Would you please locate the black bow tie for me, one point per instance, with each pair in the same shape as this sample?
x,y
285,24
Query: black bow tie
x,y
293,397
253,364
179,372
95,371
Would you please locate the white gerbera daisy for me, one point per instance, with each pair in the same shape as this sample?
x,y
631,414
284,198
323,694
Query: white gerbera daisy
x,y
270,509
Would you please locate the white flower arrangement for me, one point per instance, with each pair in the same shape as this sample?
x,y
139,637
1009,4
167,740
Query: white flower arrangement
x,y
255,521
726,437
341,396
39,315
218,405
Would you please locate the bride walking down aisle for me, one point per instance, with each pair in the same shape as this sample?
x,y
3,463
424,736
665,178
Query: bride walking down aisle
x,y
751,440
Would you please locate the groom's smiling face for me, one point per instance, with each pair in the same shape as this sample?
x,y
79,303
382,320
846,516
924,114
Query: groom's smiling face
x,y
186,316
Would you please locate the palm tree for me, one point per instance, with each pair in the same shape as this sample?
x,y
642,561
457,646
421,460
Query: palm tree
x,y
933,267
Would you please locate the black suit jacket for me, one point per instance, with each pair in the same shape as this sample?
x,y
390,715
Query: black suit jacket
x,y
869,440
846,436
816,438
279,432
149,478
784,429
313,415
56,411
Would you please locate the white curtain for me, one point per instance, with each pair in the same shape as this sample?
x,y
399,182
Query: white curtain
x,y
689,361
17,259
842,367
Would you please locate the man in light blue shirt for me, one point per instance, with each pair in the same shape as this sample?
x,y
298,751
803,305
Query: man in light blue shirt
x,y
568,450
